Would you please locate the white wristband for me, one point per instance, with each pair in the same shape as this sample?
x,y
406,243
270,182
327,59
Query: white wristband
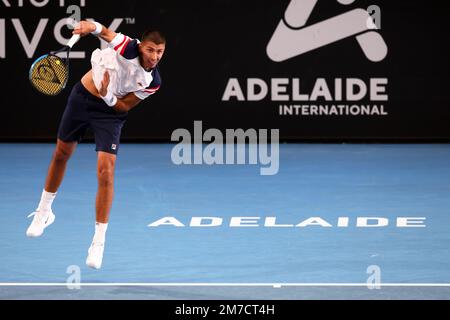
x,y
109,99
98,28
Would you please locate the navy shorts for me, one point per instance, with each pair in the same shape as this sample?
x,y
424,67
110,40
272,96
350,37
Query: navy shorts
x,y
84,111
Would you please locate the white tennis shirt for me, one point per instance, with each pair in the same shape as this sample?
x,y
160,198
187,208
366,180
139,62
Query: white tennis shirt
x,y
121,60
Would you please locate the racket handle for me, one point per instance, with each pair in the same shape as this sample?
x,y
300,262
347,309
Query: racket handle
x,y
73,40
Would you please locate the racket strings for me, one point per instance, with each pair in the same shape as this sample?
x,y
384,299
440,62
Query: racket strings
x,y
49,75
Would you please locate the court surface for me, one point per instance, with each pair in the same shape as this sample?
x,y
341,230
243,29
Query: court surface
x,y
224,262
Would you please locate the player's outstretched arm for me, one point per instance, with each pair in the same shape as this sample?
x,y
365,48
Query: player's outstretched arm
x,y
86,27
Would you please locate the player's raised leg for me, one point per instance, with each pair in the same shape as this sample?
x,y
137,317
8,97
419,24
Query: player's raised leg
x,y
61,156
43,216
105,173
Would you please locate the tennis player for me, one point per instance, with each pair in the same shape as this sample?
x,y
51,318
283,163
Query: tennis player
x,y
122,75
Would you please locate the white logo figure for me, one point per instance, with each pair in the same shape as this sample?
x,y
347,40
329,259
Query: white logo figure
x,y
291,38
113,146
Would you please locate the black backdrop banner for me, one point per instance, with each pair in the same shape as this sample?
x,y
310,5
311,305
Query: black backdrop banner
x,y
325,69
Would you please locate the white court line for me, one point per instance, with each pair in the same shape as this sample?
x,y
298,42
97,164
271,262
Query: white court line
x,y
277,285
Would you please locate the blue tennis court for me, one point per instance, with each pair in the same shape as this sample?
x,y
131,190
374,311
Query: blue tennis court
x,y
334,217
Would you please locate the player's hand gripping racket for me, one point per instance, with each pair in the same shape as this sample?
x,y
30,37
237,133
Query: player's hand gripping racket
x,y
49,73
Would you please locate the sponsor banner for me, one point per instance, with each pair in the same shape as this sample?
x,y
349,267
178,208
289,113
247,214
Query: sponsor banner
x,y
314,69
271,222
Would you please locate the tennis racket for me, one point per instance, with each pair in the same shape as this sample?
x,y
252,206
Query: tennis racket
x,y
49,73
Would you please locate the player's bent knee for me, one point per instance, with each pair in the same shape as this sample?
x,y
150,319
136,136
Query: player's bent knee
x,y
62,154
64,150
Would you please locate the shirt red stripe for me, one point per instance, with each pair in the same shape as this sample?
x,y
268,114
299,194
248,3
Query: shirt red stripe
x,y
152,89
124,46
118,46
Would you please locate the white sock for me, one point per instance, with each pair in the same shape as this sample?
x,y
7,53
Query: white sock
x,y
46,201
100,232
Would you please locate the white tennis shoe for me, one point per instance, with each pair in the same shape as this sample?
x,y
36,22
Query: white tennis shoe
x,y
95,255
41,220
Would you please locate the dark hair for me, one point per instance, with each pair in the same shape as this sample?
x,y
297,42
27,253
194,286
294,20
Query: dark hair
x,y
154,36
